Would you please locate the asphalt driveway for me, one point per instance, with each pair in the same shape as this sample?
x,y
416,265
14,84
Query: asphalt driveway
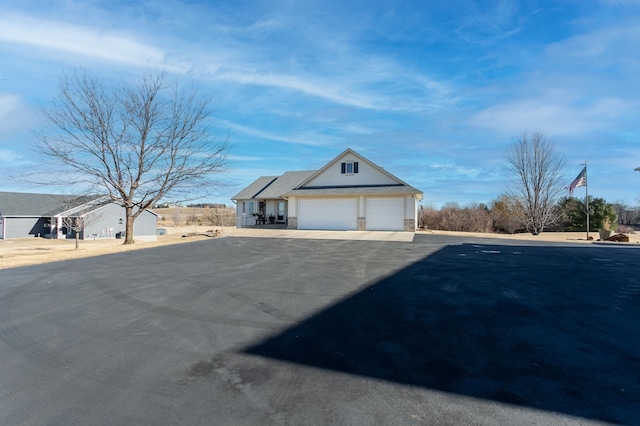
x,y
442,330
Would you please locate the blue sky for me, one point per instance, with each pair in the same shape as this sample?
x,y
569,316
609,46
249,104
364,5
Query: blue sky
x,y
432,91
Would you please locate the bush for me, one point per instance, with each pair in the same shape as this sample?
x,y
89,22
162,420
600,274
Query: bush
x,y
452,217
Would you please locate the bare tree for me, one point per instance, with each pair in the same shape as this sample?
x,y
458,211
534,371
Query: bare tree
x,y
139,142
74,224
537,180
220,217
176,217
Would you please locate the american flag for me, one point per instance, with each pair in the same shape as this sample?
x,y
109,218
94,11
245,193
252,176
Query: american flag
x,y
580,180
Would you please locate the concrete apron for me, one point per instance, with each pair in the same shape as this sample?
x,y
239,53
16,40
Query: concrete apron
x,y
406,237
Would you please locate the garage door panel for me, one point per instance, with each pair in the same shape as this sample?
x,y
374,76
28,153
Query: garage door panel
x,y
328,214
385,214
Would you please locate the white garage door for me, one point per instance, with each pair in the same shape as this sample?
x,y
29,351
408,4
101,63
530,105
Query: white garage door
x,y
335,214
385,214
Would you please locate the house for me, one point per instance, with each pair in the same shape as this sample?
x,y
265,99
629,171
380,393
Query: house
x,y
348,193
25,215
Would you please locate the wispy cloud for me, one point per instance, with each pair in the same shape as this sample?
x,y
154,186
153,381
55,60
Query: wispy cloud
x,y
13,113
78,40
420,94
550,116
8,104
489,22
608,46
12,158
434,92
304,138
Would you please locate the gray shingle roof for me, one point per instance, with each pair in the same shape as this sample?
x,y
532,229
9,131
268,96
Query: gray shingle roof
x,y
285,183
270,187
27,204
297,184
254,188
273,186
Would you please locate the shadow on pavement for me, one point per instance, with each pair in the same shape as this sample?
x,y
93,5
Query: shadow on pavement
x,y
553,328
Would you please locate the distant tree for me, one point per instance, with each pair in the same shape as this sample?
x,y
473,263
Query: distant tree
x,y
429,217
453,217
216,217
193,218
571,215
626,214
75,225
507,214
138,142
537,181
602,215
176,217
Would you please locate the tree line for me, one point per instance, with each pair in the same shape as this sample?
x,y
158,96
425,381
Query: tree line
x,y
507,215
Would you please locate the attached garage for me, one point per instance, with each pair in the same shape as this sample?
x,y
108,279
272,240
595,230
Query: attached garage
x,y
385,214
340,214
348,193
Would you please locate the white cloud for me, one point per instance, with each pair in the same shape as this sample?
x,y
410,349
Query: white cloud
x,y
8,104
78,40
551,116
14,113
12,158
310,86
613,44
309,138
490,22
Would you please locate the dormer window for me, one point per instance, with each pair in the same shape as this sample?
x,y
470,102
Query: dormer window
x,y
349,168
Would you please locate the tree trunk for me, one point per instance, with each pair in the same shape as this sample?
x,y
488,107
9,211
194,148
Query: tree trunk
x,y
77,240
128,233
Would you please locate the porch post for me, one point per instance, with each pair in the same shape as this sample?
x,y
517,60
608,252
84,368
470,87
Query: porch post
x,y
58,227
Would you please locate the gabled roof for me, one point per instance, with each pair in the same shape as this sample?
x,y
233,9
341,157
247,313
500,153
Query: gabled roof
x,y
392,185
342,155
270,187
301,183
285,183
254,188
28,204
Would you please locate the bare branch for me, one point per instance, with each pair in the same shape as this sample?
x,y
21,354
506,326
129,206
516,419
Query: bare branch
x,y
139,143
538,180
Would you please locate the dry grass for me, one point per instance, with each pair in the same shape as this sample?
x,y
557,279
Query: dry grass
x,y
32,251
183,216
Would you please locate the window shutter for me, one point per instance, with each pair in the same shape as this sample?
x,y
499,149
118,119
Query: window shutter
x,y
355,167
343,168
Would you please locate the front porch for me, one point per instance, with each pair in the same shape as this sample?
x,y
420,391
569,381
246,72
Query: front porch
x,y
262,213
269,226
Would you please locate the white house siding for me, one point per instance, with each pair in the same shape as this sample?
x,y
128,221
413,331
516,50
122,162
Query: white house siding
x,y
328,213
244,213
367,175
385,214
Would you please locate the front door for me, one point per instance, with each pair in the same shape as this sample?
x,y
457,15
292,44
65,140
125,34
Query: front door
x,y
280,212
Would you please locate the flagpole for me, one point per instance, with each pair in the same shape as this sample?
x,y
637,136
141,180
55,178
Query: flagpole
x,y
586,190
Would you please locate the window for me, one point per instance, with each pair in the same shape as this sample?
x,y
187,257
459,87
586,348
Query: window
x,y
246,204
349,168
